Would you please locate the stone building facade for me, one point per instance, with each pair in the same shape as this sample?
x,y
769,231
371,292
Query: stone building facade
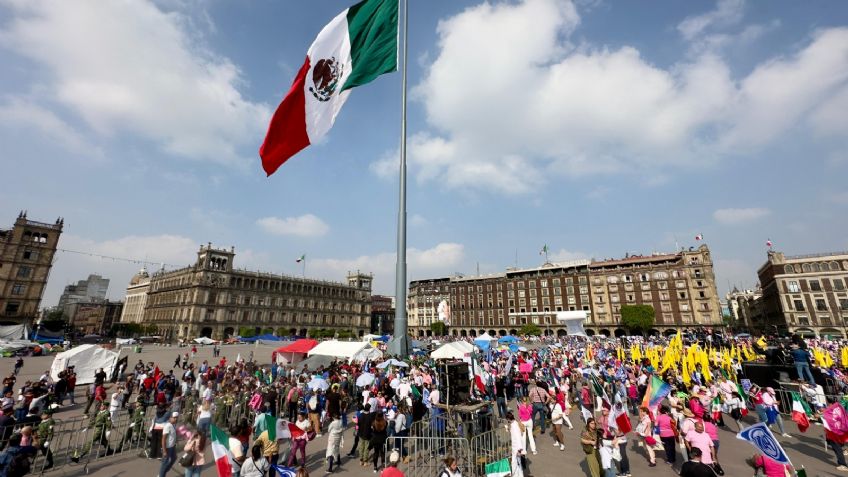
x,y
745,308
212,298
92,289
96,317
26,257
382,314
680,287
136,298
805,294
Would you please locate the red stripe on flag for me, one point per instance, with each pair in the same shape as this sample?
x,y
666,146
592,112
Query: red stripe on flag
x,y
287,132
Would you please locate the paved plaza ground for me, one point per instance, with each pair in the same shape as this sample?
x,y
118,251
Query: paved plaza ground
x,y
804,449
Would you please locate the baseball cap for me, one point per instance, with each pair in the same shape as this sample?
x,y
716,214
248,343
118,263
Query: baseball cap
x,y
175,414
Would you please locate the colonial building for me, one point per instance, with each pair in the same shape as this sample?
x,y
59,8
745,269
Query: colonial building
x,y
679,286
26,256
746,308
212,298
382,314
422,304
136,298
95,318
805,294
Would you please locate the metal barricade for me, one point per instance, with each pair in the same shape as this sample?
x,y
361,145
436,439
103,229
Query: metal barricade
x,y
488,447
424,456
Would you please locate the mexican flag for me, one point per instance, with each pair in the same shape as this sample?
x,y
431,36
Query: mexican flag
x,y
498,468
353,49
800,411
301,258
221,451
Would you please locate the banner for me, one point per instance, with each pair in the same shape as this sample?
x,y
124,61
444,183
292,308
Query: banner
x,y
761,437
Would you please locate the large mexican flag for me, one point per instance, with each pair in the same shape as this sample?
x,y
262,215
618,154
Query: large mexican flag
x,y
353,49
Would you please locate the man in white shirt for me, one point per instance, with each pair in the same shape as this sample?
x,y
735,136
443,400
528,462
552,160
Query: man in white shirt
x,y
404,389
434,395
169,445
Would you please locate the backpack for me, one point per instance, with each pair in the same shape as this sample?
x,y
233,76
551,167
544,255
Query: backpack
x,y
19,466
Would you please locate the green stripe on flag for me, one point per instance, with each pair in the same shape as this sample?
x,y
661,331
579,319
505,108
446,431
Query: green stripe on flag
x,y
271,427
498,469
797,397
372,26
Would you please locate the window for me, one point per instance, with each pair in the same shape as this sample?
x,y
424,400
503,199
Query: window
x,y
24,272
702,294
799,305
556,282
665,306
572,300
12,308
584,290
18,289
803,320
843,303
814,285
793,287
627,278
646,296
520,285
532,292
788,269
597,281
532,284
543,283
582,280
838,284
682,295
30,254
521,293
612,279
680,284
660,275
643,277
821,305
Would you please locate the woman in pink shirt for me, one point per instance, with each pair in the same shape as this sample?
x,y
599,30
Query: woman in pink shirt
x,y
525,415
667,434
712,431
770,467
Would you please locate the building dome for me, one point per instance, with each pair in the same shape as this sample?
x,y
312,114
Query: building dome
x,y
139,277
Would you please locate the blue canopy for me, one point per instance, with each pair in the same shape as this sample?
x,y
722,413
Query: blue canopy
x,y
253,339
513,347
509,339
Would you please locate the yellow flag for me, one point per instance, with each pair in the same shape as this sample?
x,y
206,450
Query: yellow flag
x,y
762,342
844,356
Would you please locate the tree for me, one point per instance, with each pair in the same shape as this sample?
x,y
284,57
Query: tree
x,y
638,318
439,328
55,314
530,329
247,331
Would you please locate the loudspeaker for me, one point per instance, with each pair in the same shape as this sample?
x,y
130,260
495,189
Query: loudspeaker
x,y
455,383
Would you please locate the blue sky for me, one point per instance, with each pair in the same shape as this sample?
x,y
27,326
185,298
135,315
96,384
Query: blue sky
x,y
599,128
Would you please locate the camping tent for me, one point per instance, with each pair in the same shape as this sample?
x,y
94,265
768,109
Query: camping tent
x,y
454,350
86,359
13,332
339,349
294,352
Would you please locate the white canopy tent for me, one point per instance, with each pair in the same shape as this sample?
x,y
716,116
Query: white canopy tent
x,y
573,321
339,349
454,350
204,340
367,354
86,360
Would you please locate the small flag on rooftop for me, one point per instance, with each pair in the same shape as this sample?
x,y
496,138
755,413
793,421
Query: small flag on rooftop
x,y
301,258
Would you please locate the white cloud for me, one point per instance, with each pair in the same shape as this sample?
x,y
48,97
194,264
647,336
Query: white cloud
x,y
132,67
25,115
441,259
727,12
418,220
306,225
739,216
543,108
732,272
562,256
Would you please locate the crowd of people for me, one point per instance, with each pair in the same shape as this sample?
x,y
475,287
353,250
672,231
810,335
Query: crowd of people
x,y
667,404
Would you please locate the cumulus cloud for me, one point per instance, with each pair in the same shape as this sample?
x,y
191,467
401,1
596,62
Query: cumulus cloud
x,y
306,225
727,12
441,259
151,75
739,216
25,115
563,256
544,108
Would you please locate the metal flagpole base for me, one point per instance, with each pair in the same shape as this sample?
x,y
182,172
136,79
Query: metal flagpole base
x,y
399,346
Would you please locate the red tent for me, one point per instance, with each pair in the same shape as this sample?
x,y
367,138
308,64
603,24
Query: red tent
x,y
294,352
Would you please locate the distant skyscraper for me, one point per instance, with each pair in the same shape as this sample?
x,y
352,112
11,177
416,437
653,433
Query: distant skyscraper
x,y
92,289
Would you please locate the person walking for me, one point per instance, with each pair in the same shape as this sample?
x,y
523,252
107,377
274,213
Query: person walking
x,y
364,433
558,416
517,433
525,416
169,444
197,445
540,399
256,465
694,467
589,443
334,443
299,443
102,427
645,429
668,434
699,439
44,434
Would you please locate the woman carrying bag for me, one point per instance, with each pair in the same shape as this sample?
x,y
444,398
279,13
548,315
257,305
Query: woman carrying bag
x,y
193,460
589,443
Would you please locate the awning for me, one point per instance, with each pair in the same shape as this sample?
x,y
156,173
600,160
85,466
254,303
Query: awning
x,y
300,346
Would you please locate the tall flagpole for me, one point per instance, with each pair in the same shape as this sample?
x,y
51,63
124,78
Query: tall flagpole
x,y
400,343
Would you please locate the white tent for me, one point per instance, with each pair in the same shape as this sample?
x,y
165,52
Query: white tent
x,y
86,360
367,354
370,337
454,350
338,349
485,336
573,321
204,340
13,332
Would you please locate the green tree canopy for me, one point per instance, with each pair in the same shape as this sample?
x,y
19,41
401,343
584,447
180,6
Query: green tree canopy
x,y
638,318
530,329
439,328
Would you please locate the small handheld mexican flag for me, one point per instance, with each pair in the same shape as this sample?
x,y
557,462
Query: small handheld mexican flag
x,y
221,451
800,412
498,468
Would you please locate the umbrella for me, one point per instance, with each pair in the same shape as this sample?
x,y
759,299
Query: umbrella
x,y
365,379
392,362
318,384
395,383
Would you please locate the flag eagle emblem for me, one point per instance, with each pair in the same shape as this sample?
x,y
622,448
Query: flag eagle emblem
x,y
325,77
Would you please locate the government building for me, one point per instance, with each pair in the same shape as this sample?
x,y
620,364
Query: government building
x,y
26,256
679,286
212,298
804,294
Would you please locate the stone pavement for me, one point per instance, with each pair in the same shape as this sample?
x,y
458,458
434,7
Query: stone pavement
x,y
804,449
